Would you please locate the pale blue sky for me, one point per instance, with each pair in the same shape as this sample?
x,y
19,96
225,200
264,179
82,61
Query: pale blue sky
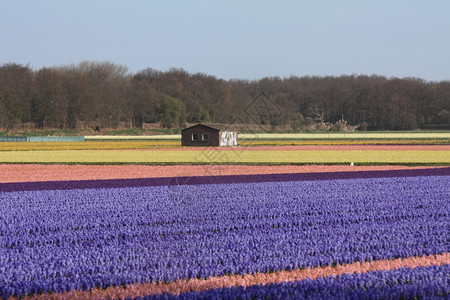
x,y
233,39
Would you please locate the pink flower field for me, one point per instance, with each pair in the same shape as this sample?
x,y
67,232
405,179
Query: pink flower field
x,y
37,172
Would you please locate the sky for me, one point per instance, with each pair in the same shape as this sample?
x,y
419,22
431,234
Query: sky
x,y
233,39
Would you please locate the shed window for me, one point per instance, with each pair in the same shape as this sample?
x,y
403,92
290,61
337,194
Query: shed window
x,y
195,137
205,137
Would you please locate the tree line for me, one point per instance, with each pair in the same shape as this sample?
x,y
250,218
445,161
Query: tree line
x,y
103,95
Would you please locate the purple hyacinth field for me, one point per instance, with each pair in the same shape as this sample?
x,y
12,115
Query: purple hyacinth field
x,y
80,236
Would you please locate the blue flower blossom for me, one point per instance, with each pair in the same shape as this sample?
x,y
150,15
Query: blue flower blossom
x,y
64,239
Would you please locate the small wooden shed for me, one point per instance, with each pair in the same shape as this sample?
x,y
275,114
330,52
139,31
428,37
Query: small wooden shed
x,y
208,135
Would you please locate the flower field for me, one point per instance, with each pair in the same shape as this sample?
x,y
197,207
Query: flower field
x,y
27,172
108,142
348,135
225,231
298,142
91,145
366,154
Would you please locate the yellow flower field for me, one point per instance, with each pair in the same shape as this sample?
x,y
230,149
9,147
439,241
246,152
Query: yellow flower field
x,y
133,137
211,156
296,136
346,135
282,142
150,144
91,145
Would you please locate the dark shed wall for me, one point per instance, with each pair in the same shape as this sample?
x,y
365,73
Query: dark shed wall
x,y
186,136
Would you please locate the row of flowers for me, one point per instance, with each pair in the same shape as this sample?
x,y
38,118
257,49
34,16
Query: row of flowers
x,y
239,155
60,240
34,172
256,280
418,283
213,175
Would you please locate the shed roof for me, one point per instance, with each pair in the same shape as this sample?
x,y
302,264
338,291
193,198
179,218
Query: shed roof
x,y
212,126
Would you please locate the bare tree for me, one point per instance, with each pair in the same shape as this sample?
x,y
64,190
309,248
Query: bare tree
x,y
319,115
